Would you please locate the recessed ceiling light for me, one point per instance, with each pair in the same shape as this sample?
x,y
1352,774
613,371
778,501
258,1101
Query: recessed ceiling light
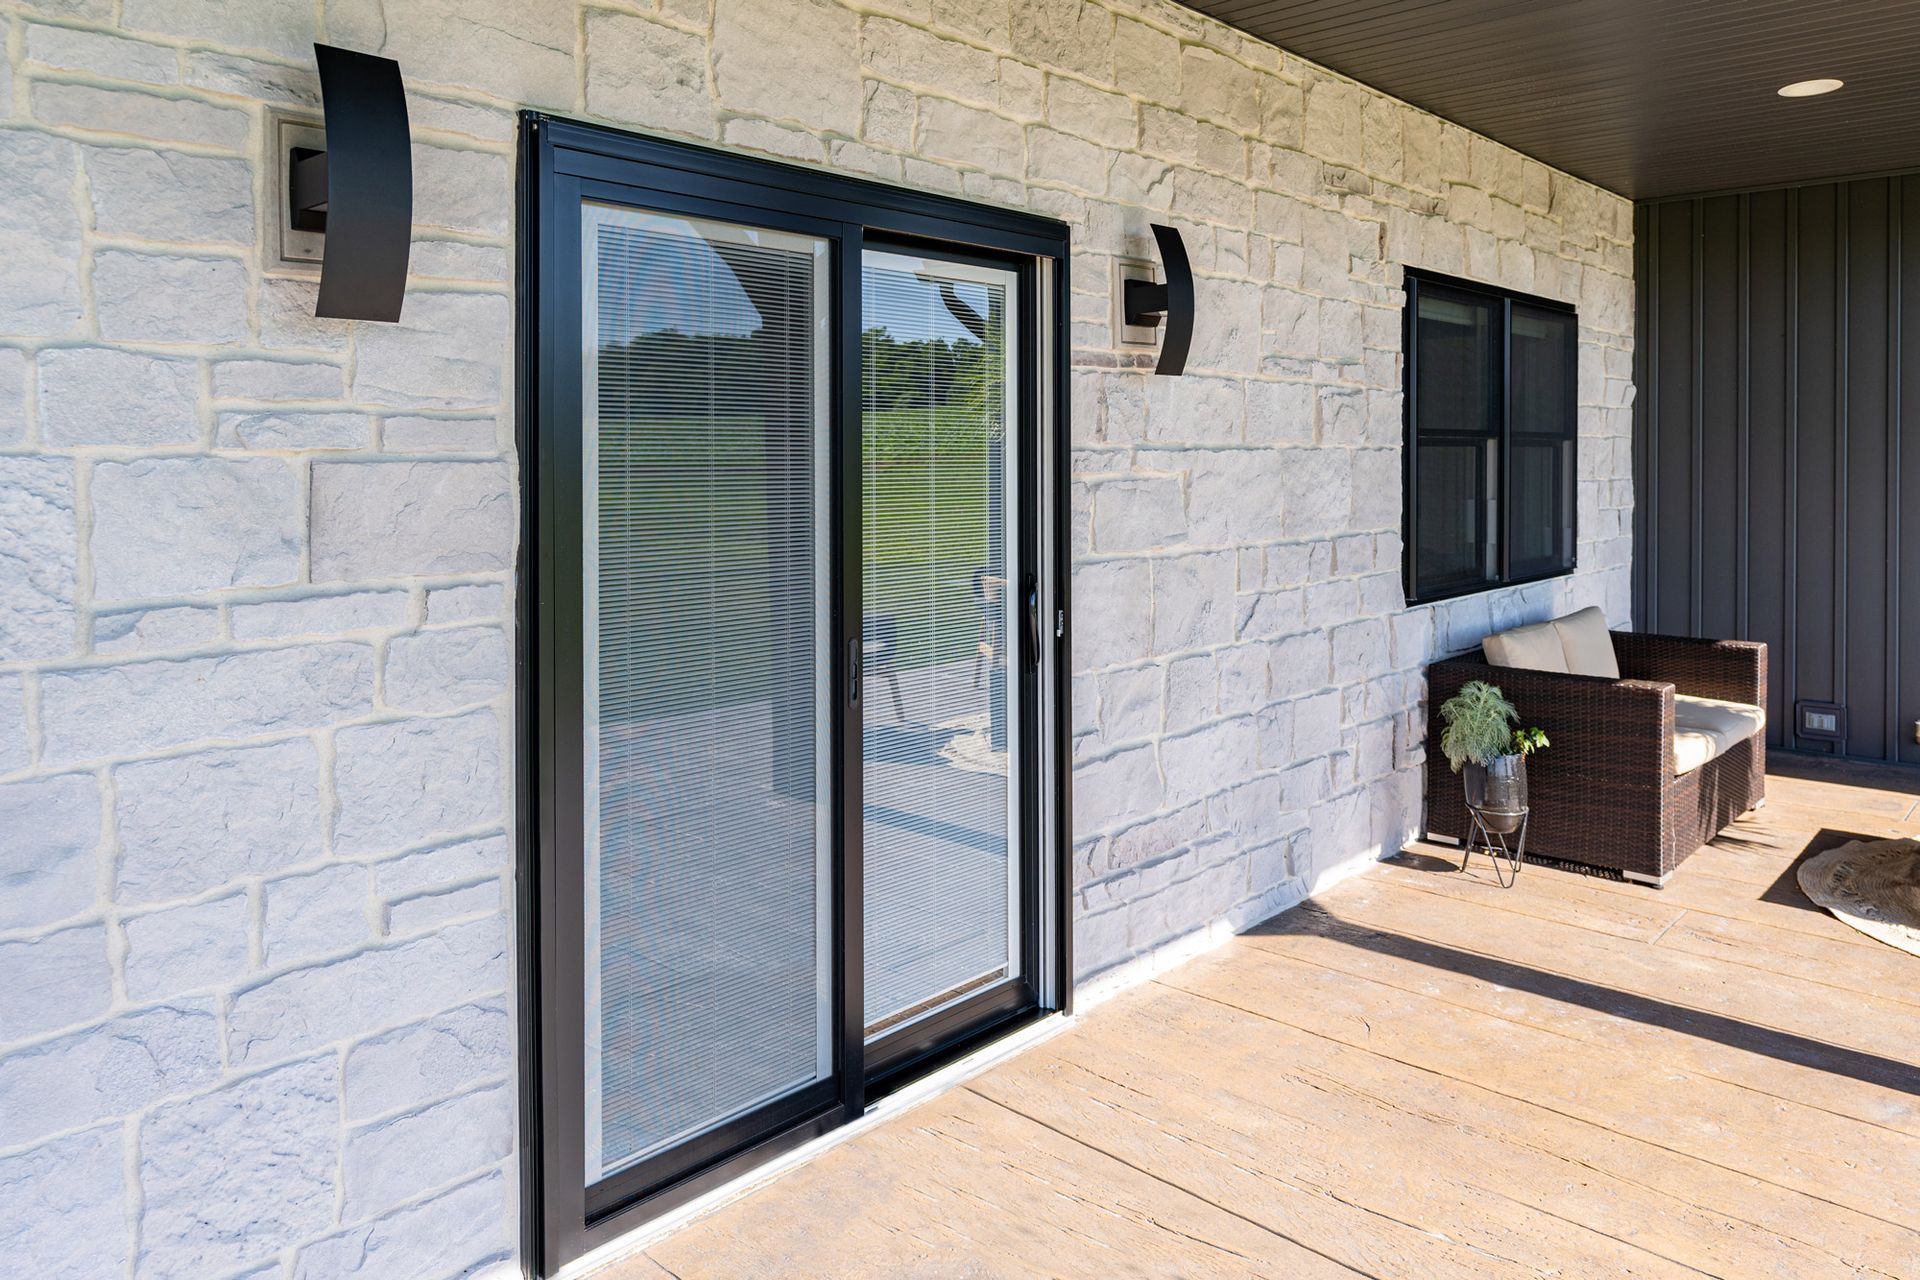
x,y
1810,88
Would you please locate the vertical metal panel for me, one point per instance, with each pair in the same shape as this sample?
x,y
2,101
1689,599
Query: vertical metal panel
x,y
1790,521
1862,491
1775,436
1716,455
1743,419
1670,484
1906,614
1766,386
1890,646
1820,414
1696,463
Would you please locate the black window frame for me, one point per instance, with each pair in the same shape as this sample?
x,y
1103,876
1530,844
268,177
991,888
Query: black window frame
x,y
560,163
1500,433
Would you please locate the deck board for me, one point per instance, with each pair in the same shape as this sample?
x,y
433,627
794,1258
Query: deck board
x,y
1422,1074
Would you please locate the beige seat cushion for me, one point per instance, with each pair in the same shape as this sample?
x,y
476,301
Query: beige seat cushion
x,y
1588,647
1535,648
1705,728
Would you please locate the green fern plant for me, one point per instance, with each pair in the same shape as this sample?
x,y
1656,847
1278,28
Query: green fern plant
x,y
1479,725
1478,730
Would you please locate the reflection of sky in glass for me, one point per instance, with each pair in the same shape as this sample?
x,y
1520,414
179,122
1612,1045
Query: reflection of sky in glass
x,y
931,319
675,282
671,281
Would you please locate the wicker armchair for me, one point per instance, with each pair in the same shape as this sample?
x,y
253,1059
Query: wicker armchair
x,y
1604,794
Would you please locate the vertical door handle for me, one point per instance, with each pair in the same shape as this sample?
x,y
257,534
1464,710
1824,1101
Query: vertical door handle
x,y
854,659
1030,588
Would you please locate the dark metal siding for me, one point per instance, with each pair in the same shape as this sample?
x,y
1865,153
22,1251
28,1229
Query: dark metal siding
x,y
1777,429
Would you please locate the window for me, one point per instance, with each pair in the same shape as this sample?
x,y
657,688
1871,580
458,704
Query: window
x,y
1491,437
795,617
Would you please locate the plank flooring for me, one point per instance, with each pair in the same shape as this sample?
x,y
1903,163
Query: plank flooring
x,y
1420,1074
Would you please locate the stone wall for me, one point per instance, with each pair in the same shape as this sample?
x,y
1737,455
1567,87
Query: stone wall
x,y
254,567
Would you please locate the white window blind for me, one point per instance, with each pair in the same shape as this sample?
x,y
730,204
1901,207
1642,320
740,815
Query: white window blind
x,y
941,883
707,871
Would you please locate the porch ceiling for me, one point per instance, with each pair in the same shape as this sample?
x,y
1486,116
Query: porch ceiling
x,y
1644,97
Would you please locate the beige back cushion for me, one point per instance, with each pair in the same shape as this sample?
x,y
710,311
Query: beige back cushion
x,y
1536,648
1588,647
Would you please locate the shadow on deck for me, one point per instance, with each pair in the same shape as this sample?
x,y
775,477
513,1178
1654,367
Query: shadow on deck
x,y
1422,1074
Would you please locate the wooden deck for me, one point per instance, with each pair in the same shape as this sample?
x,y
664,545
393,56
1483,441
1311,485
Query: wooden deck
x,y
1422,1075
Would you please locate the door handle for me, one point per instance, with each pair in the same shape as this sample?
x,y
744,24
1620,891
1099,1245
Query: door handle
x,y
854,660
1030,587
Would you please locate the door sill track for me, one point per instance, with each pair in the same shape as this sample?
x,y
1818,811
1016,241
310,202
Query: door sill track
x,y
901,1100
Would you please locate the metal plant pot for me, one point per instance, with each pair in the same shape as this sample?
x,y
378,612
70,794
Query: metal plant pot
x,y
1498,792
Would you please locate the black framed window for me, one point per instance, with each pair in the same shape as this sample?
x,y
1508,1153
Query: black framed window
x,y
793,781
1491,437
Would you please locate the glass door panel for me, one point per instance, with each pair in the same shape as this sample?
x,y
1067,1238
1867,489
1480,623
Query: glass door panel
x,y
708,805
940,577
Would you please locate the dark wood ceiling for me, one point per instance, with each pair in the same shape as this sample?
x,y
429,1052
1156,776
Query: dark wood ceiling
x,y
1644,97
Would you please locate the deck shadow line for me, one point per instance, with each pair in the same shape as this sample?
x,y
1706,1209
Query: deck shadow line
x,y
1315,919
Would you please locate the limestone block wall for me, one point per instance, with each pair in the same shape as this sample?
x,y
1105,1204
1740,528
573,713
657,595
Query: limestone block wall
x,y
255,568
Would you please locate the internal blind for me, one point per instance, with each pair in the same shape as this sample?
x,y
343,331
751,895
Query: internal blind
x,y
707,912
941,883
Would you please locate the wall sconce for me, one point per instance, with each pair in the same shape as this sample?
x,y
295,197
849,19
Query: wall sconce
x,y
1146,303
359,190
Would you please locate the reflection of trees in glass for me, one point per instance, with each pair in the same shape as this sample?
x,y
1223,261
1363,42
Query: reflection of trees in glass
x,y
934,410
914,391
925,390
675,407
649,375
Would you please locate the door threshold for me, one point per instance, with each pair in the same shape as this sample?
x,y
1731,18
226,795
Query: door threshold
x,y
901,1100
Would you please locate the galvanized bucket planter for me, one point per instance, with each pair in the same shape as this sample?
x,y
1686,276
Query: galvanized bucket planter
x,y
1497,791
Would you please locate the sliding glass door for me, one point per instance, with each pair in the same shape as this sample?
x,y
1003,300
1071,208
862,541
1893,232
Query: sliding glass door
x,y
791,723
707,919
940,485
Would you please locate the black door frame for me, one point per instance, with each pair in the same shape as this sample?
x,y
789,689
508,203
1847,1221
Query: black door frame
x,y
561,163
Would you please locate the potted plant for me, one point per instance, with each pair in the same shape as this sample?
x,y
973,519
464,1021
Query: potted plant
x,y
1480,742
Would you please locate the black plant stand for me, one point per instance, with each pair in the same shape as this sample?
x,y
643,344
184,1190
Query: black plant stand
x,y
1487,837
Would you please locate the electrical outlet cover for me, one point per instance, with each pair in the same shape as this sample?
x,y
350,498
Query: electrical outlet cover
x,y
1820,721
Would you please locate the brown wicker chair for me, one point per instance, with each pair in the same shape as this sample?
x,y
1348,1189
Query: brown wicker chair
x,y
1604,794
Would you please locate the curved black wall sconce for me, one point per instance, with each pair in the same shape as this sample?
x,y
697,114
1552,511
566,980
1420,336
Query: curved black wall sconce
x,y
1146,302
360,189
